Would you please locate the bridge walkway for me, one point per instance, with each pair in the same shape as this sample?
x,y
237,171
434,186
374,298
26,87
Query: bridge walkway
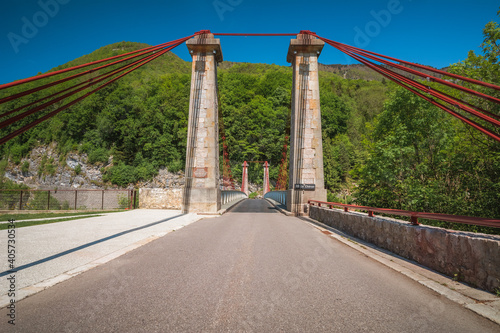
x,y
250,270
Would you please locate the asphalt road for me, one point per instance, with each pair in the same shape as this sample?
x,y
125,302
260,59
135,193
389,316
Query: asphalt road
x,y
251,270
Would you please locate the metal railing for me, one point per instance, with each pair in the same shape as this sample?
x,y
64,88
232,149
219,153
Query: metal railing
x,y
77,199
229,196
414,216
279,196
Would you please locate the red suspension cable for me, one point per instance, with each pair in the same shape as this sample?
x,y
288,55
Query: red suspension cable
x,y
432,78
435,93
47,104
38,77
388,74
437,71
27,92
55,112
70,88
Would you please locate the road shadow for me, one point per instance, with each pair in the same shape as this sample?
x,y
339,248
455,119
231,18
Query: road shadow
x,y
58,255
254,206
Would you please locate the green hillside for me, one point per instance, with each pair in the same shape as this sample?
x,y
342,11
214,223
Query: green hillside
x,y
141,120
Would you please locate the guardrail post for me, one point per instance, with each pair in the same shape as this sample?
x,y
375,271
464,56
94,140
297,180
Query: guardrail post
x,y
346,209
21,201
370,213
48,200
102,200
76,197
414,220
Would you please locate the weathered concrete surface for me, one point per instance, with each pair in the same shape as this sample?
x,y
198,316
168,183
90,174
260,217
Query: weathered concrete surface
x,y
306,149
158,198
201,191
475,258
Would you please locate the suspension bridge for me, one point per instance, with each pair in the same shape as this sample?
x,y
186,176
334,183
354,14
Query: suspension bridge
x,y
301,170
243,257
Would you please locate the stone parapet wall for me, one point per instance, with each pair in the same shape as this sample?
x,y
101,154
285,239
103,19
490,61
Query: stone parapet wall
x,y
157,198
474,258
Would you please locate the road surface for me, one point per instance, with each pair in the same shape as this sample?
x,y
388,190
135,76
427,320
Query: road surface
x,y
250,270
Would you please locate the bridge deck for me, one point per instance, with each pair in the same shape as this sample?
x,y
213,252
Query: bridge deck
x,y
253,269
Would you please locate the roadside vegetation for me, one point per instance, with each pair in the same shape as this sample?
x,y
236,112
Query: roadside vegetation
x,y
4,226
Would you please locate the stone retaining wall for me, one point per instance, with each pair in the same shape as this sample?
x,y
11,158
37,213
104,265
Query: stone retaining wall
x,y
157,198
475,258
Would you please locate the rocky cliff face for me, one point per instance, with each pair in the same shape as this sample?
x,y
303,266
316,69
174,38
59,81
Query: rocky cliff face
x,y
46,168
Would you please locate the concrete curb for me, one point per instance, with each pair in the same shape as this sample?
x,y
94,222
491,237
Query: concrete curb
x,y
277,206
479,301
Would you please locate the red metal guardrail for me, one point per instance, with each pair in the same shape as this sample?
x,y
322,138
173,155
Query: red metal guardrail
x,y
414,216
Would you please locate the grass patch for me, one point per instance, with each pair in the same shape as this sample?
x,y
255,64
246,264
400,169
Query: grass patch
x,y
17,217
4,226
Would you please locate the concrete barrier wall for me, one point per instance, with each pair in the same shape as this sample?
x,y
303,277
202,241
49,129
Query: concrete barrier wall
x,y
475,258
279,196
230,196
157,198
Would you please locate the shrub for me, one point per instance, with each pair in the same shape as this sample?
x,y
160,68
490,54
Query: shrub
x,y
121,175
25,167
39,201
123,201
98,155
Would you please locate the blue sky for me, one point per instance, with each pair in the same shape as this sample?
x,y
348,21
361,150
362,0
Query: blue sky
x,y
36,36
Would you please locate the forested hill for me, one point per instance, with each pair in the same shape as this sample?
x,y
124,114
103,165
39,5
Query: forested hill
x,y
141,120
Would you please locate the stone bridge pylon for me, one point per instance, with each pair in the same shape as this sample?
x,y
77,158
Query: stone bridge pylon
x,y
305,177
202,192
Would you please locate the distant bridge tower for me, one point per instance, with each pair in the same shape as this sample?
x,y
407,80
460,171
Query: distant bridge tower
x,y
244,179
266,188
306,178
202,191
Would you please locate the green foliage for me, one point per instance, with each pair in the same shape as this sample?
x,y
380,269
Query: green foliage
x,y
121,174
123,201
4,226
253,195
25,167
422,159
78,169
100,155
18,151
39,200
